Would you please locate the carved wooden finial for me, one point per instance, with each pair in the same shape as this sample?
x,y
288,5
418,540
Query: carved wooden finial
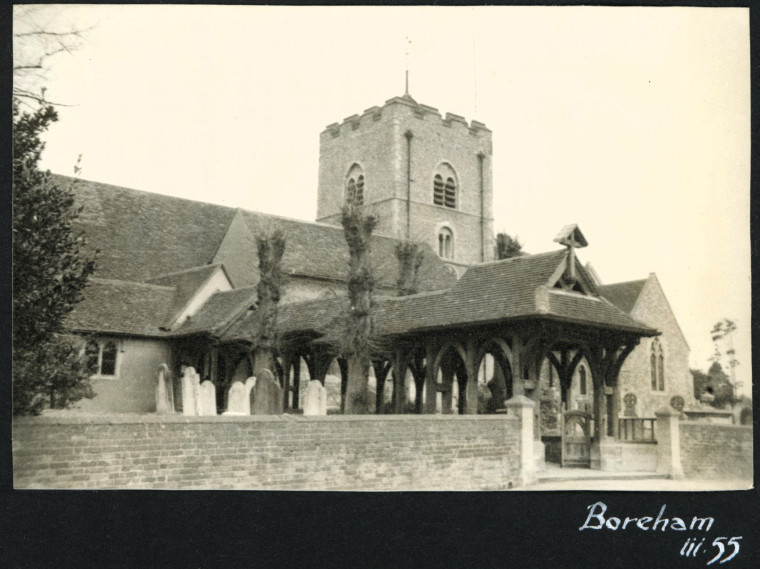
x,y
572,237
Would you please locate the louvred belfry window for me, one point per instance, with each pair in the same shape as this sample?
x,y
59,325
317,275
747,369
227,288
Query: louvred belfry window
x,y
438,190
451,194
355,186
359,195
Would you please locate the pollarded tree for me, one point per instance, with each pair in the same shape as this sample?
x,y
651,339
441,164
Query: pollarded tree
x,y
410,257
356,338
50,271
271,247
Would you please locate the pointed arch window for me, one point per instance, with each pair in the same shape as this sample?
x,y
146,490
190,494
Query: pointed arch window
x,y
445,243
657,366
582,377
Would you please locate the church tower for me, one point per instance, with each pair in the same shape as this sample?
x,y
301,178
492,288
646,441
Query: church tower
x,y
427,178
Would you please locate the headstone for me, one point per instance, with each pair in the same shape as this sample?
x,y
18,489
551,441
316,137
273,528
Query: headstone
x,y
164,391
237,400
315,399
207,398
190,391
267,395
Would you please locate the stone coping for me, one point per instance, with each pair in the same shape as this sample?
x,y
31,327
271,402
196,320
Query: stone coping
x,y
135,418
711,425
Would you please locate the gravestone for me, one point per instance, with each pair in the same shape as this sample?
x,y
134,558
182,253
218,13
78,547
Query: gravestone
x,y
315,399
239,397
190,391
267,395
237,400
164,391
207,399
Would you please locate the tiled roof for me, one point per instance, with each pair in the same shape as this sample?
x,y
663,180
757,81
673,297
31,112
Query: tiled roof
x,y
218,311
319,250
185,283
121,307
623,295
141,235
486,293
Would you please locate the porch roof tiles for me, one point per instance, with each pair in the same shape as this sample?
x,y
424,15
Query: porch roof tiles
x,y
218,311
185,283
489,292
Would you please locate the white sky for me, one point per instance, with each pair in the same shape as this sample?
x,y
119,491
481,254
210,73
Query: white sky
x,y
632,122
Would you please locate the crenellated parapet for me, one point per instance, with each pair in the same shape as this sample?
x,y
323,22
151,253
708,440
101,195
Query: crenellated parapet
x,y
416,110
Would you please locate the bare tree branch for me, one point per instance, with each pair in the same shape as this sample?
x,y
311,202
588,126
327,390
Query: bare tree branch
x,y
40,33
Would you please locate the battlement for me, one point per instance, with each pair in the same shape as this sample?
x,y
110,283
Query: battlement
x,y
419,111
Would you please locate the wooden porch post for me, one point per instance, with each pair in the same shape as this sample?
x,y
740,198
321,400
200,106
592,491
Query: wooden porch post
x,y
471,400
430,391
399,382
518,386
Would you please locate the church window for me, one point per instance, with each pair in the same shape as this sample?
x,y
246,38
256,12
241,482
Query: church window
x,y
102,357
450,198
355,186
438,190
445,187
446,243
582,375
657,366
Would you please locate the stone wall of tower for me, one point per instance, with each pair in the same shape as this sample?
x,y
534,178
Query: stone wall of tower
x,y
377,141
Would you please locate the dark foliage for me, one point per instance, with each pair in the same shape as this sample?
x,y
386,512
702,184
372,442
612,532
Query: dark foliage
x,y
50,271
507,246
715,382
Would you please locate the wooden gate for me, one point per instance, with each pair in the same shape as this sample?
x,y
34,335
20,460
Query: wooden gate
x,y
576,439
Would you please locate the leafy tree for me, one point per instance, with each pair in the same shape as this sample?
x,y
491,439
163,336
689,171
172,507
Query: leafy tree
x,y
507,246
410,257
356,342
271,247
715,382
50,270
723,340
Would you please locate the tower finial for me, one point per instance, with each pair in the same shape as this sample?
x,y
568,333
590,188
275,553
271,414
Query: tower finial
x,y
408,43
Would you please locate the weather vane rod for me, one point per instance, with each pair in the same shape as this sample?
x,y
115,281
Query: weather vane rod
x,y
408,43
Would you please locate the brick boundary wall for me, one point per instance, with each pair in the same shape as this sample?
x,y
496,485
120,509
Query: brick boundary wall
x,y
711,451
408,452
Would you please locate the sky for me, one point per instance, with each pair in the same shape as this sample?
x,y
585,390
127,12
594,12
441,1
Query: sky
x,y
633,123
